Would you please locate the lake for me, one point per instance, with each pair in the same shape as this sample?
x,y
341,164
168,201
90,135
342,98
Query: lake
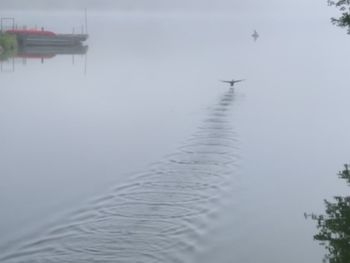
x,y
135,151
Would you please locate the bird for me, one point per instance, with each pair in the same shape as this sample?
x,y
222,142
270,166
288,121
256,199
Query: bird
x,y
255,35
232,82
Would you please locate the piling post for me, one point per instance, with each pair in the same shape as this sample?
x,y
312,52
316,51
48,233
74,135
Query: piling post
x,y
86,22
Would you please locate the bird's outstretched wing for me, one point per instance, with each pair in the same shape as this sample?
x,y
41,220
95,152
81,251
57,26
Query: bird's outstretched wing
x,y
226,81
239,80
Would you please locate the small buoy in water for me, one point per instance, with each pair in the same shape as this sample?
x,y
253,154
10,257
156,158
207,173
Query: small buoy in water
x,y
255,35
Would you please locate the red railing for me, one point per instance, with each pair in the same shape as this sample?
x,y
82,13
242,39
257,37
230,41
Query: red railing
x,y
33,32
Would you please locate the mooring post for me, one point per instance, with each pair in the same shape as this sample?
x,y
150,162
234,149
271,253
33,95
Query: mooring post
x,y
86,22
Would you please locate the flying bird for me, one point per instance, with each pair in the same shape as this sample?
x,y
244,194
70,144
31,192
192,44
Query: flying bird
x,y
232,82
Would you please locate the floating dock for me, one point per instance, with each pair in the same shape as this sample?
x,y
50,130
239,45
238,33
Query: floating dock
x,y
47,38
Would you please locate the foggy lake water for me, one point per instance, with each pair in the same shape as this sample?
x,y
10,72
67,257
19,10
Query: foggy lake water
x,y
136,152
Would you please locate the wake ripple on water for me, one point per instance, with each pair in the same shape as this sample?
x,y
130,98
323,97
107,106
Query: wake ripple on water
x,y
158,216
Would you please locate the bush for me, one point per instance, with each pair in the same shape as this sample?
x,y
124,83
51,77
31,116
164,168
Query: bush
x,y
8,42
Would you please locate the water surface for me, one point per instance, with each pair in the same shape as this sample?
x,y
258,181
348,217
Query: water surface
x,y
137,153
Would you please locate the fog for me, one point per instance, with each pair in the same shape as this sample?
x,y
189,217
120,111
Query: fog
x,y
133,150
275,7
122,4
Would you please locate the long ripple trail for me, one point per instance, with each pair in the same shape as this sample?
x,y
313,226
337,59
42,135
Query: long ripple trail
x,y
158,216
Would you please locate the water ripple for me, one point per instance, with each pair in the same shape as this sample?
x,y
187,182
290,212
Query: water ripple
x,y
158,216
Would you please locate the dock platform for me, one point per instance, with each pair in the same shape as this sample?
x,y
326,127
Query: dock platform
x,y
47,38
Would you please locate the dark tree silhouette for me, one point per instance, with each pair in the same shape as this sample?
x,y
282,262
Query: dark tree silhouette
x,y
334,226
345,174
344,7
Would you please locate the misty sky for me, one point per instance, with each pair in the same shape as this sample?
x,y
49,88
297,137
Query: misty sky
x,y
274,6
119,4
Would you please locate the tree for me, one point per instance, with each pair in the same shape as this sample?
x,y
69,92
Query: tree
x,y
345,174
334,227
344,7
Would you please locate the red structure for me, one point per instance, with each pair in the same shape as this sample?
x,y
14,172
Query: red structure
x,y
31,32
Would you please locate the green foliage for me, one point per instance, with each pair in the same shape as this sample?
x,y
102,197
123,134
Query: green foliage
x,y
334,226
9,45
8,54
344,9
8,42
345,174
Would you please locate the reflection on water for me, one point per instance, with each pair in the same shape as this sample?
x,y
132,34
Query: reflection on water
x,y
158,215
23,53
334,226
50,51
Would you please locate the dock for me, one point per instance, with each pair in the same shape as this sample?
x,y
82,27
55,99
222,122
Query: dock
x,y
47,38
57,40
